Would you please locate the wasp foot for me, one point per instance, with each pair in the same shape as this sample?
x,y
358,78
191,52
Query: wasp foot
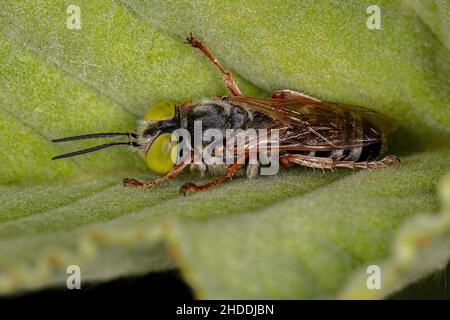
x,y
132,182
391,160
187,186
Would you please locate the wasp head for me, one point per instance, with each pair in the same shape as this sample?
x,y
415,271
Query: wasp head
x,y
153,138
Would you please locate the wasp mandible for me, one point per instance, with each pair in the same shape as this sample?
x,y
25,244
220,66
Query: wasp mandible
x,y
313,133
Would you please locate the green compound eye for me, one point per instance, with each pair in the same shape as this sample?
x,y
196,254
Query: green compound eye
x,y
161,110
159,155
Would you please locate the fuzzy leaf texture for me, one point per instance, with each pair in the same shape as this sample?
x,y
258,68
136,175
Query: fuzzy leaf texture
x,y
300,234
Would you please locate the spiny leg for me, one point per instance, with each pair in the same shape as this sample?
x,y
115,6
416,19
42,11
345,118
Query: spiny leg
x,y
329,163
176,170
231,169
294,95
226,75
380,164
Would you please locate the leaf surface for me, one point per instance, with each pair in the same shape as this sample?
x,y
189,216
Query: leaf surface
x,y
300,234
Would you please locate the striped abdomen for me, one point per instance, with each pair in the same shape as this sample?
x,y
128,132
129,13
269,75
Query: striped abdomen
x,y
364,153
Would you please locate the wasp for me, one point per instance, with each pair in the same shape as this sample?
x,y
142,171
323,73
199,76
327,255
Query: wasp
x,y
312,132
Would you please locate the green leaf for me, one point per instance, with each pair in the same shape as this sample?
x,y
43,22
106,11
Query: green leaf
x,y
306,247
420,248
300,234
436,15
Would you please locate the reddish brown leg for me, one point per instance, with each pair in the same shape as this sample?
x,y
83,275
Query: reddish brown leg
x,y
231,169
294,95
285,162
170,175
226,75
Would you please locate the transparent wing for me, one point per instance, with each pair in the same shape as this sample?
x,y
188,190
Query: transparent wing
x,y
320,125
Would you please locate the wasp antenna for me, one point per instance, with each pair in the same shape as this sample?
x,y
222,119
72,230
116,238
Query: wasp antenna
x,y
99,147
97,135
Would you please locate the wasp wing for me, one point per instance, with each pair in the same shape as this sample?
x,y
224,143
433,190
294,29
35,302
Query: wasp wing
x,y
320,125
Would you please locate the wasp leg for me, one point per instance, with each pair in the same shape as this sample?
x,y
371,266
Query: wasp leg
x,y
293,95
176,170
329,163
226,75
231,169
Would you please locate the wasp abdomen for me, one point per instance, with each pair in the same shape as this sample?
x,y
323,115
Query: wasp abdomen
x,y
362,153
